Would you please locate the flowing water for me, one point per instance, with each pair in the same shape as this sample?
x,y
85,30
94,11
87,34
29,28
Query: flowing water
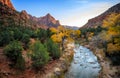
x,y
84,64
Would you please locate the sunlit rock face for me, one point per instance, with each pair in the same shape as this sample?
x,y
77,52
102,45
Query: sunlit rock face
x,y
8,3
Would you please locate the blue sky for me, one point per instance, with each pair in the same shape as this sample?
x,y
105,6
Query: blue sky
x,y
69,12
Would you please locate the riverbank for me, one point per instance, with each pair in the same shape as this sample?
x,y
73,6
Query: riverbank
x,y
54,69
59,69
108,70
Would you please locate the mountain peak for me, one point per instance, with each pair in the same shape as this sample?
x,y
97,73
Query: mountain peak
x,y
8,3
24,12
49,20
48,14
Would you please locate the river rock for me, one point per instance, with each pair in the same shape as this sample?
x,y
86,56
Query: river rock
x,y
77,57
57,71
75,62
81,64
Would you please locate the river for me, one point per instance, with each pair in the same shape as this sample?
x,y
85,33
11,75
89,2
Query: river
x,y
84,64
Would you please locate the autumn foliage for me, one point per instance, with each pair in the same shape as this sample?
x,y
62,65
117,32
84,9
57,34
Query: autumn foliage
x,y
112,24
62,33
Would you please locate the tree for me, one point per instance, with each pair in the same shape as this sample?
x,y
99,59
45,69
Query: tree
x,y
42,35
61,29
112,24
49,33
39,55
17,33
53,30
57,37
77,33
59,33
14,52
25,38
53,49
6,37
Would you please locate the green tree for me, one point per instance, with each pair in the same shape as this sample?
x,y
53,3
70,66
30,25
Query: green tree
x,y
14,52
17,33
6,37
25,38
39,55
53,49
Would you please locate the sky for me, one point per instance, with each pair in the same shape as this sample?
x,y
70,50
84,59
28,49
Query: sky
x,y
68,12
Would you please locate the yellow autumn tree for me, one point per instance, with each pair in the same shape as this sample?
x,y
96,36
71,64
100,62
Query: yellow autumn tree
x,y
90,35
56,38
59,33
61,29
77,33
112,24
53,30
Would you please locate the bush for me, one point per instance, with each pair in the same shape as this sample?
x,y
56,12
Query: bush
x,y
5,37
17,33
39,55
14,54
25,38
49,33
42,34
113,48
53,49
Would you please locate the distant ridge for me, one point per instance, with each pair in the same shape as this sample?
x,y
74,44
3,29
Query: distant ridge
x,y
71,27
97,21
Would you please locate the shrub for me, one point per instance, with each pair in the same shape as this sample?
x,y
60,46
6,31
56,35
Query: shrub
x,y
14,54
25,38
17,33
42,34
5,37
49,33
53,49
39,54
113,48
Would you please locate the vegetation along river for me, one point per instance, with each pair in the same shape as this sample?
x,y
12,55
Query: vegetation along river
x,y
84,64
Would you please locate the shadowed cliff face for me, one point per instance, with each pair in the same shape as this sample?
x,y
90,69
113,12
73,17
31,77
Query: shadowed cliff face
x,y
97,21
8,3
